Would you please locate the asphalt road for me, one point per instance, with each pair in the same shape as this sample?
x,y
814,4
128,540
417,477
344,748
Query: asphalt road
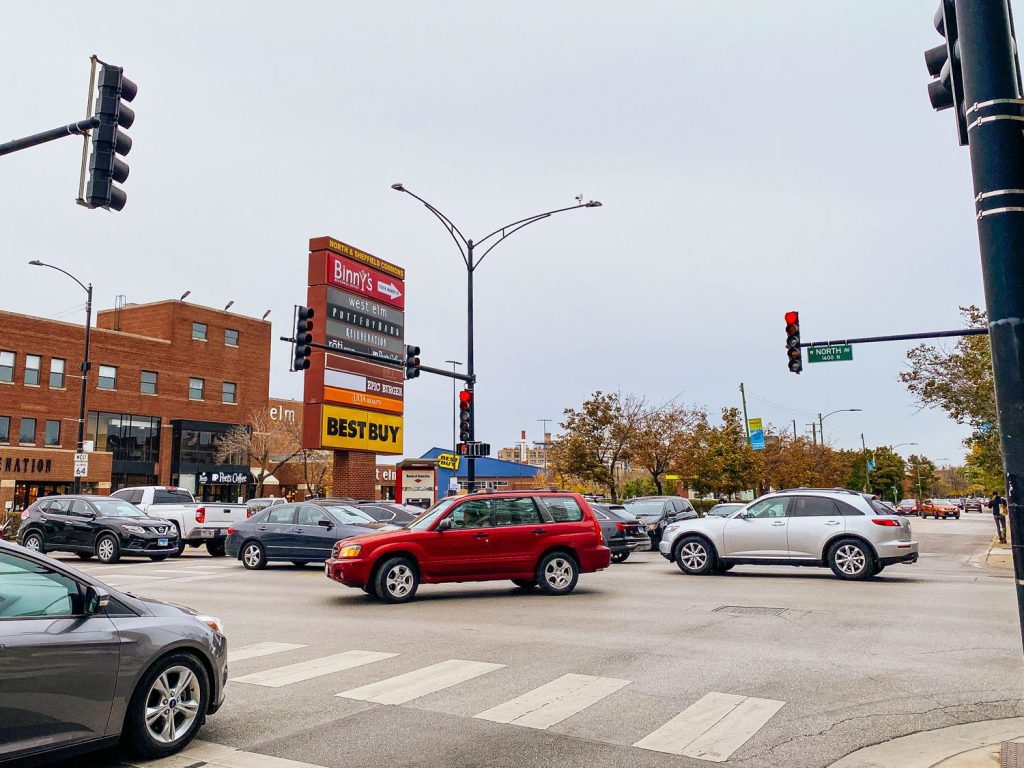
x,y
808,668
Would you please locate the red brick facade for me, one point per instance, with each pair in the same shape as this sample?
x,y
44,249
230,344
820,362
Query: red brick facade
x,y
354,474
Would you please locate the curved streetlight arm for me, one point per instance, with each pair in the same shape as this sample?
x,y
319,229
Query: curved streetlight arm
x,y
841,410
515,226
37,263
457,236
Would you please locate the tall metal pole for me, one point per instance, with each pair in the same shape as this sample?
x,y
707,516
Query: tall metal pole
x,y
746,423
995,115
794,429
455,403
85,380
470,370
821,428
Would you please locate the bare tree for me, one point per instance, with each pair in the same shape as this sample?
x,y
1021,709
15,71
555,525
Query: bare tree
x,y
316,469
264,444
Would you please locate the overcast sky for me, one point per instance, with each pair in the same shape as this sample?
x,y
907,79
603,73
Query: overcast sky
x,y
752,158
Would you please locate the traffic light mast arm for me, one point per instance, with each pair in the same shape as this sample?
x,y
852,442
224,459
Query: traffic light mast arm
x,y
72,129
381,361
899,337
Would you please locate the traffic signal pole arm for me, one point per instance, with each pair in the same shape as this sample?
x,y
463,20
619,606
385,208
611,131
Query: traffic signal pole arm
x,y
382,361
899,337
72,129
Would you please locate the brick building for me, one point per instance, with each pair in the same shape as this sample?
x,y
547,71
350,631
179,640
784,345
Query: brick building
x,y
167,378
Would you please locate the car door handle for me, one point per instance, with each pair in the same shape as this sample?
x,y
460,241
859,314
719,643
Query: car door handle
x,y
779,522
831,522
479,535
261,528
540,531
296,530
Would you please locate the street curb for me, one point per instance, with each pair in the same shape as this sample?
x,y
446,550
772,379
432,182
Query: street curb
x,y
929,748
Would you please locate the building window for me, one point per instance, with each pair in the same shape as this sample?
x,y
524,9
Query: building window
x,y
196,388
32,365
53,432
6,365
108,377
199,331
5,429
230,392
126,436
27,433
148,386
56,373
230,337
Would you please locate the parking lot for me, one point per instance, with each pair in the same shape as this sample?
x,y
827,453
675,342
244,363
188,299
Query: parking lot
x,y
636,667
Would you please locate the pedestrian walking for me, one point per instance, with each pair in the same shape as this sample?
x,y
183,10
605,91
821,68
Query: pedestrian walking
x,y
997,503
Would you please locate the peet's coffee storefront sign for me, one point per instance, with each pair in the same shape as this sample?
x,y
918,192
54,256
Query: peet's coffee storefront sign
x,y
21,465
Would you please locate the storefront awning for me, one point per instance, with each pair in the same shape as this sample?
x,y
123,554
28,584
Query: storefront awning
x,y
267,479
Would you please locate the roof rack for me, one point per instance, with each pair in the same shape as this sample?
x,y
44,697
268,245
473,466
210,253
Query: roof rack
x,y
832,490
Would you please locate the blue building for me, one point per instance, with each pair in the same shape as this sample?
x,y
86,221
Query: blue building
x,y
490,473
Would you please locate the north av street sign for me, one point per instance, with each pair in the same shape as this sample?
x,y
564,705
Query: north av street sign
x,y
833,354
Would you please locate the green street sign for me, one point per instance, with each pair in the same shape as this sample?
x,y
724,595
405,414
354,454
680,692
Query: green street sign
x,y
834,354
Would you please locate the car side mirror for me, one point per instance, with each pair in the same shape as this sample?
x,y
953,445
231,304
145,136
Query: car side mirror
x,y
743,515
96,599
325,524
444,525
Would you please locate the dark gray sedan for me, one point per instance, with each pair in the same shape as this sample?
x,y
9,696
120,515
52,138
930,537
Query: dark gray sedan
x,y
84,666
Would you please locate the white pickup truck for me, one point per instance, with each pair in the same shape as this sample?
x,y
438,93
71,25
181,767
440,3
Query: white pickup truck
x,y
197,522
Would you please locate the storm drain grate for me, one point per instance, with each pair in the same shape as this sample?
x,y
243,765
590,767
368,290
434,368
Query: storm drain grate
x,y
1011,755
745,610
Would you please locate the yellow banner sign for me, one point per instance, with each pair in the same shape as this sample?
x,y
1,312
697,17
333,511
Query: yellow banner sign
x,y
447,461
755,424
350,429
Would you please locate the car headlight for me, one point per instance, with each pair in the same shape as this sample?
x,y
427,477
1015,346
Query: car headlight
x,y
135,529
213,623
350,550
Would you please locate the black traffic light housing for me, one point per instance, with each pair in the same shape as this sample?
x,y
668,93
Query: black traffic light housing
x,y
796,362
303,338
105,167
943,62
465,415
412,361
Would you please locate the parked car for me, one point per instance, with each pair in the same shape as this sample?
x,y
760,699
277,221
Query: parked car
x,y
298,533
656,512
252,506
723,510
623,533
847,531
389,512
85,666
197,523
940,508
908,506
106,527
974,505
536,539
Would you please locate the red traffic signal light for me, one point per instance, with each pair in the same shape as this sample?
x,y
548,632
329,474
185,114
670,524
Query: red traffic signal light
x,y
465,396
796,363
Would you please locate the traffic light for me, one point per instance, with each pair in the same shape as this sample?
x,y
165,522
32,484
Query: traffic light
x,y
108,142
943,62
796,362
412,361
303,338
465,415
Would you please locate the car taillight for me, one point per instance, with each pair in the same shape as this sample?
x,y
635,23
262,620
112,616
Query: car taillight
x,y
620,526
24,515
885,521
201,515
597,529
231,531
248,512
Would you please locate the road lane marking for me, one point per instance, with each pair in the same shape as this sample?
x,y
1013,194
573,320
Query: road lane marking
x,y
306,670
420,682
259,649
209,755
712,728
553,702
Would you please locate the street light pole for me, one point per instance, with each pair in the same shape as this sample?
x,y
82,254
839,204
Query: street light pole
x,y
821,421
85,361
455,401
467,249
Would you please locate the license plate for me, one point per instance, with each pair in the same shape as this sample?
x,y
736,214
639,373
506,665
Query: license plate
x,y
207,534
162,542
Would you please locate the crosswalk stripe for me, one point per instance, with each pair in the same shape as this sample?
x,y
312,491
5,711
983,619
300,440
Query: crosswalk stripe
x,y
420,682
259,649
712,728
209,755
553,702
306,670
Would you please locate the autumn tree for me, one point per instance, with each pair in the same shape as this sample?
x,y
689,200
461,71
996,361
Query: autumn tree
x,y
265,444
794,462
921,477
659,439
718,458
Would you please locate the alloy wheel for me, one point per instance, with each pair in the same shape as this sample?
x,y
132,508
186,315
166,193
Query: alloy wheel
x,y
399,580
252,555
558,573
850,559
34,543
693,555
105,549
172,704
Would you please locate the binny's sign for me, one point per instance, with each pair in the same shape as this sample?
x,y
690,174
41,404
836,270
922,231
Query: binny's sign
x,y
358,278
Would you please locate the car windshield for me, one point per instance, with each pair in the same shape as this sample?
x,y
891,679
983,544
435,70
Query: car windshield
x,y
646,508
350,515
944,502
724,510
116,508
424,521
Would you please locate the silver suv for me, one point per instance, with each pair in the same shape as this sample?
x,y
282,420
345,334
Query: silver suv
x,y
853,534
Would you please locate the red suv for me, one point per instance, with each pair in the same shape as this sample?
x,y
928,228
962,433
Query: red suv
x,y
537,539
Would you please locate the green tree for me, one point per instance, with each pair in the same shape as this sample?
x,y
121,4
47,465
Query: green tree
x,y
921,478
886,479
656,442
719,458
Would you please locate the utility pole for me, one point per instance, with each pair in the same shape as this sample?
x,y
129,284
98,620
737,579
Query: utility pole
x,y
867,468
746,423
814,432
544,435
794,429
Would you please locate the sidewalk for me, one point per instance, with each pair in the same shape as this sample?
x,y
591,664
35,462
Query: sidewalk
x,y
972,745
999,555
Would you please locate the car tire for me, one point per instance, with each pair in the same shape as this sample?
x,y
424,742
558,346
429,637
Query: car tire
x,y
879,567
369,589
300,563
620,557
181,542
108,549
557,573
158,558
34,541
84,555
851,559
525,583
396,581
254,556
173,726
694,556
721,567
215,548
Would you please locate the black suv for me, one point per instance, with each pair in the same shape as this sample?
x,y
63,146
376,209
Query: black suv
x,y
657,512
95,525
